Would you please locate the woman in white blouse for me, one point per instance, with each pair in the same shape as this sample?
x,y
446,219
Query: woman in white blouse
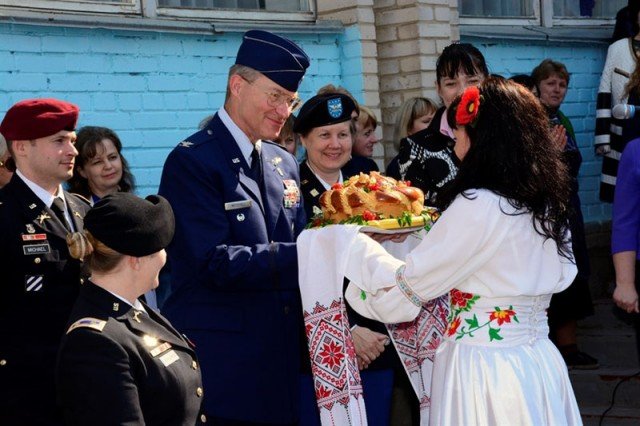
x,y
500,249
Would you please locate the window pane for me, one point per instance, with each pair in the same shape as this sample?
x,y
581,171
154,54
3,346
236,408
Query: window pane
x,y
106,1
496,8
268,5
587,8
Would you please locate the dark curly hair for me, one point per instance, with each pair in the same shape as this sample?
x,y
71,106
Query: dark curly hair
x,y
87,142
512,154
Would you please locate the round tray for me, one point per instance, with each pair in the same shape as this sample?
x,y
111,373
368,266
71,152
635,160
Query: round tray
x,y
399,230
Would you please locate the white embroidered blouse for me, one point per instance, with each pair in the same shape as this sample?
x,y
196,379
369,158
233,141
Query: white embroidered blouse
x,y
481,245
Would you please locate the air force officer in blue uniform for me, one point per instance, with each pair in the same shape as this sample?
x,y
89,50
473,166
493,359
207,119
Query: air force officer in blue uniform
x,y
233,261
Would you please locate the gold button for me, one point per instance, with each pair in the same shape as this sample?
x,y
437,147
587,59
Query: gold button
x,y
37,260
3,362
199,391
194,365
203,418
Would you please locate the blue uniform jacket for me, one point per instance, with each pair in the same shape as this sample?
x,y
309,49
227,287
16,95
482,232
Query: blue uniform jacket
x,y
234,273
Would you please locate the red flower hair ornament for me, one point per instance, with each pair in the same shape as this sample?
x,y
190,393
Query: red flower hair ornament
x,y
468,108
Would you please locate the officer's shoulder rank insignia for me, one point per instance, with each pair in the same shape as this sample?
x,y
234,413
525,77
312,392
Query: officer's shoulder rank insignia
x,y
82,198
185,144
88,322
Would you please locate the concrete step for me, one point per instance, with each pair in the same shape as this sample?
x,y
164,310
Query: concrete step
x,y
617,416
605,318
613,350
594,388
608,337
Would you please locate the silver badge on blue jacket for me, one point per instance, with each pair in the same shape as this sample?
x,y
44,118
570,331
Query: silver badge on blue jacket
x,y
334,107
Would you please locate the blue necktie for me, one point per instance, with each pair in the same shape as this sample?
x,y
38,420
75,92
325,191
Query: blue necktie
x,y
256,167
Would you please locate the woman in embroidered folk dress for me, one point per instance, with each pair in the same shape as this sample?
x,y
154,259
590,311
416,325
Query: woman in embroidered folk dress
x,y
500,250
119,361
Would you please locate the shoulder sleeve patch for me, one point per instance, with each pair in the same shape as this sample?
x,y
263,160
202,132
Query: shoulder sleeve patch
x,y
88,322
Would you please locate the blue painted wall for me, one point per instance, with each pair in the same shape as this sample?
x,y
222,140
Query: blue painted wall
x,y
152,88
584,62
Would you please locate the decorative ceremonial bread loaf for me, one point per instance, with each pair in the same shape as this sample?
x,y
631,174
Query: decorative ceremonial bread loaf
x,y
373,197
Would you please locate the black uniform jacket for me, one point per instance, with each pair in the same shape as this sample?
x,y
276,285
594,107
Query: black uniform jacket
x,y
39,283
121,366
312,188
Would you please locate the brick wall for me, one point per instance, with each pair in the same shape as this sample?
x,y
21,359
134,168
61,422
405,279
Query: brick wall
x,y
410,35
584,63
152,88
359,55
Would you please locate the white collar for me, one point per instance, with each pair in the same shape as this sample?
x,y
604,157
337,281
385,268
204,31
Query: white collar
x,y
325,184
245,145
137,305
42,193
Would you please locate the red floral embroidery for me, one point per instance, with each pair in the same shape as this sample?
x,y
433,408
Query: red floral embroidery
x,y
467,111
502,315
322,392
453,326
331,354
460,298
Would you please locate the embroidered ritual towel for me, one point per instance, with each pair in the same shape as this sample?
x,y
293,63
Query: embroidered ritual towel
x,y
323,256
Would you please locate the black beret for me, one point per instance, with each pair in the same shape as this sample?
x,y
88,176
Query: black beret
x,y
278,58
324,110
131,225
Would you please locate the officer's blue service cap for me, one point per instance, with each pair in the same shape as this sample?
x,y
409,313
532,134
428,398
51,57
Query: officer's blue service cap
x,y
132,225
324,110
278,58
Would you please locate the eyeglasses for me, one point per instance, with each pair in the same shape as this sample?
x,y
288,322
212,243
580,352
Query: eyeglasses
x,y
275,99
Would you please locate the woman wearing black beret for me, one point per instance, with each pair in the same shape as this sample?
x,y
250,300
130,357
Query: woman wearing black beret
x,y
326,128
119,361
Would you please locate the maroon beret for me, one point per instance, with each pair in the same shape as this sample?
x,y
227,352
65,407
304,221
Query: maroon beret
x,y
37,118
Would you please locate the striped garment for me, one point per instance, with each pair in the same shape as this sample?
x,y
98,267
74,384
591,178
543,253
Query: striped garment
x,y
619,65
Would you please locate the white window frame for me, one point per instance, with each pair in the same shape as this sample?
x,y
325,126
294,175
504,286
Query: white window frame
x,y
542,16
93,7
150,9
234,14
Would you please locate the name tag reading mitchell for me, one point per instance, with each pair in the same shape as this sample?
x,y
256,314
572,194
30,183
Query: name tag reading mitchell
x,y
235,205
169,358
43,248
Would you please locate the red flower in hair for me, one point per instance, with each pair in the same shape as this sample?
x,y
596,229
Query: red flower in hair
x,y
467,111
